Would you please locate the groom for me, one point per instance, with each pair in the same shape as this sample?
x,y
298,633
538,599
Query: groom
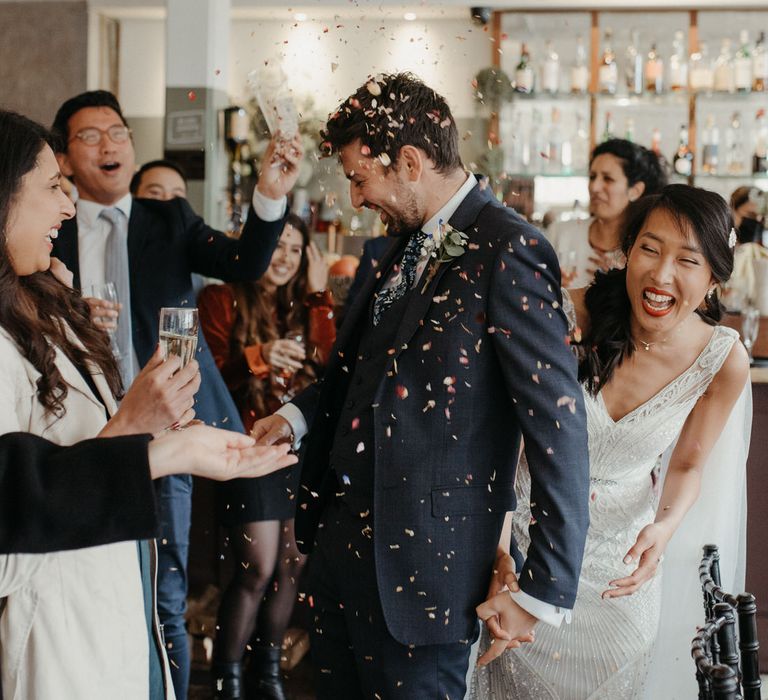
x,y
412,437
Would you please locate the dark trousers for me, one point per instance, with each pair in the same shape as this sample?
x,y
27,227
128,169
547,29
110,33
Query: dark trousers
x,y
353,653
174,497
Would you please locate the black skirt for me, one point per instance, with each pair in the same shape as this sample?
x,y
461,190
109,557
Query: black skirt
x,y
271,497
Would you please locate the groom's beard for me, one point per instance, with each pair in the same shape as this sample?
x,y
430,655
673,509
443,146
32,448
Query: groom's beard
x,y
407,218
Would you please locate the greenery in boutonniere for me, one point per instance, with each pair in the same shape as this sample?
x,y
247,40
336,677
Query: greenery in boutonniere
x,y
446,244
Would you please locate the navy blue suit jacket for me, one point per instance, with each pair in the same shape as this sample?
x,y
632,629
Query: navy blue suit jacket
x,y
167,242
480,360
374,250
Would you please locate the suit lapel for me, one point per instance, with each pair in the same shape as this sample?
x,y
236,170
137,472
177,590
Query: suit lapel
x,y
138,225
462,220
65,248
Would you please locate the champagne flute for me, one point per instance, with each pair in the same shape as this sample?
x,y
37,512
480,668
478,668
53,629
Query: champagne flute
x,y
106,292
284,377
750,324
178,333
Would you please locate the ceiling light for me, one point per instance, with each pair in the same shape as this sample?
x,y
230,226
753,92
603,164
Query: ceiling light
x,y
300,17
410,16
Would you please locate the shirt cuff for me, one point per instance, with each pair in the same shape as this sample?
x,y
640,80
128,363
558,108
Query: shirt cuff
x,y
546,612
268,209
297,421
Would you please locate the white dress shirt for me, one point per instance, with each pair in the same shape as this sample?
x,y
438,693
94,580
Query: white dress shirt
x,y
543,611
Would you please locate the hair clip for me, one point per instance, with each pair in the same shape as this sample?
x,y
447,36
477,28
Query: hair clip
x,y
732,238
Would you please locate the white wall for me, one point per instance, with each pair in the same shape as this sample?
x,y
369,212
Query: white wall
x,y
330,61
329,65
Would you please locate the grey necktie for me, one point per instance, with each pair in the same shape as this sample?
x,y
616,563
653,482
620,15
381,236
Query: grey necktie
x,y
116,270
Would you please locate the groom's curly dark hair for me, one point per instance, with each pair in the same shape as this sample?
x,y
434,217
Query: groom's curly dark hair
x,y
394,110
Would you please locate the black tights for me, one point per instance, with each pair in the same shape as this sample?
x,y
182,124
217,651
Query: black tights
x,y
268,567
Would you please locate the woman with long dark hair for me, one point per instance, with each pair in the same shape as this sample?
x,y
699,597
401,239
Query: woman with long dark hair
x,y
659,375
270,339
78,623
620,172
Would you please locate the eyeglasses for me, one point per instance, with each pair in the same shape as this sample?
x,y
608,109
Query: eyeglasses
x,y
118,133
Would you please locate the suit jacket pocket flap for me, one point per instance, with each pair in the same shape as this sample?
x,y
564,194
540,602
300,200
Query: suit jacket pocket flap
x,y
477,499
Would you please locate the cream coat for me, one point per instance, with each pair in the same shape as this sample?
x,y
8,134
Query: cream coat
x,y
73,627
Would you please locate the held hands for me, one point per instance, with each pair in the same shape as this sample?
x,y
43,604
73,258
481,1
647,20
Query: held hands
x,y
272,430
284,354
647,551
507,623
104,313
214,454
161,396
280,166
317,270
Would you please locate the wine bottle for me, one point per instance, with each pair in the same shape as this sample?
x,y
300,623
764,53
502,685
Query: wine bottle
x,y
550,70
633,65
735,158
760,156
760,65
724,78
608,73
742,64
524,76
710,139
654,71
702,76
682,163
579,69
678,64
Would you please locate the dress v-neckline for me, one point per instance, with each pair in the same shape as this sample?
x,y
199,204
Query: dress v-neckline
x,y
695,363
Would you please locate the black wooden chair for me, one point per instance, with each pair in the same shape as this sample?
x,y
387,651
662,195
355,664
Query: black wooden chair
x,y
725,668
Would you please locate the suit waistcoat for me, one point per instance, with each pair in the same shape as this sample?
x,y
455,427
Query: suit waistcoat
x,y
352,454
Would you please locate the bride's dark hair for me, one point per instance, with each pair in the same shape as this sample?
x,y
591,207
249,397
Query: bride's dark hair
x,y
36,309
697,212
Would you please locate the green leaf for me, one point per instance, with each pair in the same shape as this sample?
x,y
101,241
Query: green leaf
x,y
454,250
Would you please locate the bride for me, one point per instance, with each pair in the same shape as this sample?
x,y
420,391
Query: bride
x,y
655,369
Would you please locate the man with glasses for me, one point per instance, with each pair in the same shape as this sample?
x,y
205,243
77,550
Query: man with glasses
x,y
150,249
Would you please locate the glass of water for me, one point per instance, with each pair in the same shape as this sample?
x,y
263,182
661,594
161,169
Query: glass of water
x,y
750,324
178,333
106,292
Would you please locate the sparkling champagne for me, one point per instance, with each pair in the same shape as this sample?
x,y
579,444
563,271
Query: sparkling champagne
x,y
182,346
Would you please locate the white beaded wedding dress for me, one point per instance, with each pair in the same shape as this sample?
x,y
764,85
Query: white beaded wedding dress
x,y
607,649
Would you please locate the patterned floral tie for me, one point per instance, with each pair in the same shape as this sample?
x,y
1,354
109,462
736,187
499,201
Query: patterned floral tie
x,y
408,264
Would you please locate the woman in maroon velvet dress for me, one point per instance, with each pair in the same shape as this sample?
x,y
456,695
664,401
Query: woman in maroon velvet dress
x,y
270,339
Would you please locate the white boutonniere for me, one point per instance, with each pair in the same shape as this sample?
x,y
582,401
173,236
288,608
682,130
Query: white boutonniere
x,y
442,246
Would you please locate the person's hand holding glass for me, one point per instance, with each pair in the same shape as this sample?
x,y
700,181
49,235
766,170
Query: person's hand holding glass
x,y
105,309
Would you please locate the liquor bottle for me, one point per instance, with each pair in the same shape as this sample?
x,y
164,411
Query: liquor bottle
x,y
724,78
550,70
554,148
760,65
633,65
760,156
682,163
654,71
742,64
514,145
656,142
532,155
608,132
735,158
629,129
702,76
608,73
524,77
581,145
678,64
710,139
579,69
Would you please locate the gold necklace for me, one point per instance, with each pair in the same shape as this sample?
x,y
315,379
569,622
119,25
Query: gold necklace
x,y
647,346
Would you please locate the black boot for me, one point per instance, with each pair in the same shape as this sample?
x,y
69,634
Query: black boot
x,y
263,675
227,681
